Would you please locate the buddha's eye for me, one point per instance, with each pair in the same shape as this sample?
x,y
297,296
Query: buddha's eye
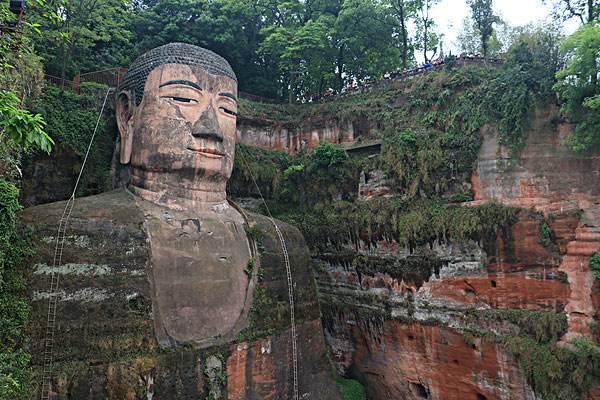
x,y
179,99
228,111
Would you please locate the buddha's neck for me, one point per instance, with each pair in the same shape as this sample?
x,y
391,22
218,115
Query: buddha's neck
x,y
170,190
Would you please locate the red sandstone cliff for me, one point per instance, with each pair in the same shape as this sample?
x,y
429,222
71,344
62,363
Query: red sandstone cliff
x,y
424,340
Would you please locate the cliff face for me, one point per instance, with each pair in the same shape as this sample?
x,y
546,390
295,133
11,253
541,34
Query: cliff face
x,y
444,321
551,179
271,135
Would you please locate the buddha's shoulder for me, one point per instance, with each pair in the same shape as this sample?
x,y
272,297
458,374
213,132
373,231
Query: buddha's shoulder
x,y
117,207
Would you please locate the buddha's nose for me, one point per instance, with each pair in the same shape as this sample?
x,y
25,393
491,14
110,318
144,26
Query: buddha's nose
x,y
207,126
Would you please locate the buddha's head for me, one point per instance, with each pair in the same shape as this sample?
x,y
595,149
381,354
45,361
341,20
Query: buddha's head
x,y
176,112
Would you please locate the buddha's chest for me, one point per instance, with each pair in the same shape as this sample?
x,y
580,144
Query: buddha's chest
x,y
198,274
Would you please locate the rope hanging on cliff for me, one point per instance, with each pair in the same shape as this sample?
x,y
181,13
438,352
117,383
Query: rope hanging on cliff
x,y
54,276
290,283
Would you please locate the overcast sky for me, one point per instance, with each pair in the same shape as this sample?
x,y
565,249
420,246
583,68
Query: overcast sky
x,y
449,15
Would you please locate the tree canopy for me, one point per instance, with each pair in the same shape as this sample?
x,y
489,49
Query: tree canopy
x,y
278,48
578,86
484,18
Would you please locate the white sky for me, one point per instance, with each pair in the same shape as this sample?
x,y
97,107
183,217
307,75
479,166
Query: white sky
x,y
449,14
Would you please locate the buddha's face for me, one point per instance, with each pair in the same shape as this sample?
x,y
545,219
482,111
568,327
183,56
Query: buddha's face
x,y
186,123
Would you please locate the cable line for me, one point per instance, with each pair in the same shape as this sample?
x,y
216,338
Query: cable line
x,y
290,283
54,276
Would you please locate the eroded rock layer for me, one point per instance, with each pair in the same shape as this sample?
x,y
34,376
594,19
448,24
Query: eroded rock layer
x,y
452,320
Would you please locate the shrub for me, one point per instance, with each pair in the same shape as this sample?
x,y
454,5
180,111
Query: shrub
x,y
351,389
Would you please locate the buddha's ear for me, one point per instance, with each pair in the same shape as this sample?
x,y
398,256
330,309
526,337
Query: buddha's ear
x,y
125,110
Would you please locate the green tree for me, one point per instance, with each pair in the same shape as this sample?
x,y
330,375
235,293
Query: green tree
x,y
526,77
427,39
502,37
87,35
484,18
300,52
318,45
367,39
578,86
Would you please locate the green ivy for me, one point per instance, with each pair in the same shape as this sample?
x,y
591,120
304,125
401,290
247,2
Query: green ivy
x,y
14,309
71,119
252,164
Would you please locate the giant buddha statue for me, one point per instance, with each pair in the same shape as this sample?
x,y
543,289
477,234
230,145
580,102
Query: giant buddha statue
x,y
168,289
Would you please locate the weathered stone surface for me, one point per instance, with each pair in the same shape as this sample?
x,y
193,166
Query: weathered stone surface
x,y
373,184
106,341
273,135
401,333
414,361
552,179
547,175
49,178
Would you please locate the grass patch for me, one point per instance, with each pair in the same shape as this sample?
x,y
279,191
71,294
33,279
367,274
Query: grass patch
x,y
351,389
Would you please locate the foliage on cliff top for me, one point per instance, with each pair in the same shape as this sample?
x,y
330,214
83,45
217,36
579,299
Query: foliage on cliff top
x,y
70,120
14,310
579,88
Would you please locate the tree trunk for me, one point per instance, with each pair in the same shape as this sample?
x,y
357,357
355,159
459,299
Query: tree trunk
x,y
425,40
321,86
484,46
404,35
291,88
340,67
590,8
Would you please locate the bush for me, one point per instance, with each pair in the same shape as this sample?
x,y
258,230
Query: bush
x,y
351,389
252,164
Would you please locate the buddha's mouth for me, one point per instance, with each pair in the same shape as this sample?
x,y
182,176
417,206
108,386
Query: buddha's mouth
x,y
210,153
